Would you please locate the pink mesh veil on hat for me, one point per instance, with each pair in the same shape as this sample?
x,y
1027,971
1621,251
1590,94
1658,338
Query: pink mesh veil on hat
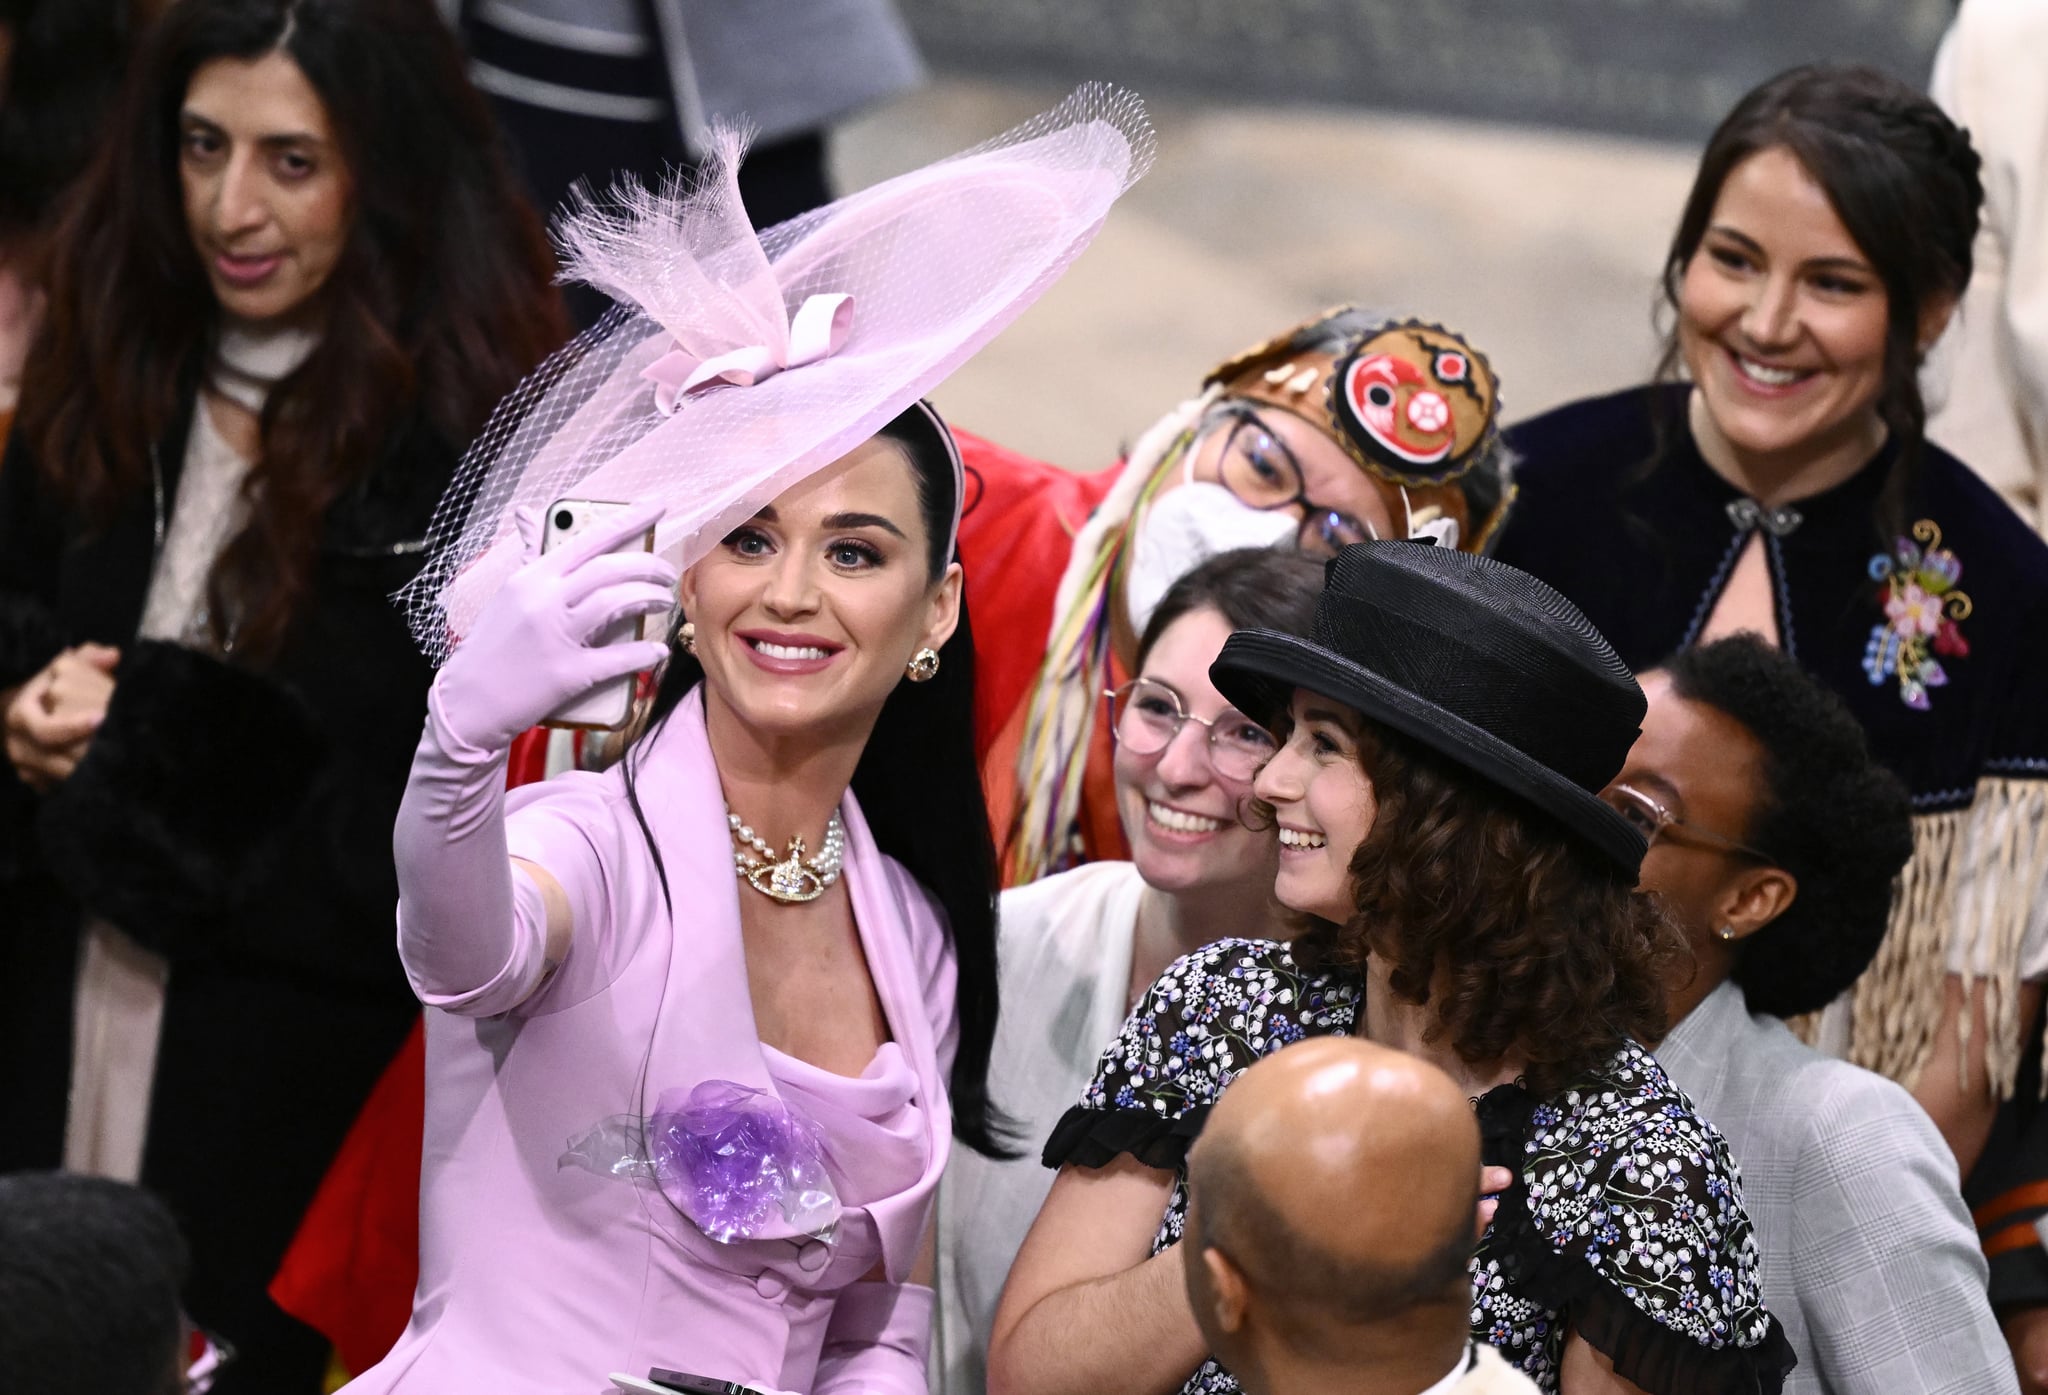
x,y
735,365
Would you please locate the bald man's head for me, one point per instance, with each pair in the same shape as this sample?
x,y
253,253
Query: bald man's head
x,y
1335,1184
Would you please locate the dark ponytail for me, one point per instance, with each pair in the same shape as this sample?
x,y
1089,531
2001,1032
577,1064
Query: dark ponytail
x,y
919,787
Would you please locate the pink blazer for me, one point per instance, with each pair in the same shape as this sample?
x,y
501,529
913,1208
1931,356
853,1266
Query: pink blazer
x,y
537,1275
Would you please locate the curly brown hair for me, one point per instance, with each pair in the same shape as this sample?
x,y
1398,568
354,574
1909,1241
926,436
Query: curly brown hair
x,y
1525,943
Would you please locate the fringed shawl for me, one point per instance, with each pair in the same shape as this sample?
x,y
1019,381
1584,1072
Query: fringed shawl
x,y
1974,886
1935,637
1065,697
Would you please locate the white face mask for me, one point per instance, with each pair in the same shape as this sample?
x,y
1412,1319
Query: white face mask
x,y
1185,528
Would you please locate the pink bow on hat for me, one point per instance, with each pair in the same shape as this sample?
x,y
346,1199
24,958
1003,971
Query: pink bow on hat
x,y
818,330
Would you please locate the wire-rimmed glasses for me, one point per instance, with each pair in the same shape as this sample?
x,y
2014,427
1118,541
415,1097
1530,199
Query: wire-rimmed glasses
x,y
1146,716
1655,820
1257,467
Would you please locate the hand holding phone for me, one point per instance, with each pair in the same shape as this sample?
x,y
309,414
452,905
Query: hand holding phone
x,y
609,705
531,651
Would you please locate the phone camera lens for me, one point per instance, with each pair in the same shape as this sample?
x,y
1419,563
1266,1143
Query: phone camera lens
x,y
564,519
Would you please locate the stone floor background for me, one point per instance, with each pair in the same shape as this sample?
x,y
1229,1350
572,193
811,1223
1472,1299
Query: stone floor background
x,y
1542,246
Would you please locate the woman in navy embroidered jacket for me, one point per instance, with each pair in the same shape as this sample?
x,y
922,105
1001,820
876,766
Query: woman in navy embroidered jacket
x,y
1788,489
295,281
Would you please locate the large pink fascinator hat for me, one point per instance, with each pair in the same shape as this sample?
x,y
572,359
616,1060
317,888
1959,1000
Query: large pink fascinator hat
x,y
734,365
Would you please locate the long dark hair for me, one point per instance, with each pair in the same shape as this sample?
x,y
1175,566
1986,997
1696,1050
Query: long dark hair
x,y
62,71
441,300
1905,182
919,787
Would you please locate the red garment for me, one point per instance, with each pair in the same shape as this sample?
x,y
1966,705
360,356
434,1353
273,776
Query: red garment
x,y
1016,537
351,1269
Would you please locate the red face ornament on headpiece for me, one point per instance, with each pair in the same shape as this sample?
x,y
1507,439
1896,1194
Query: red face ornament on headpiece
x,y
1400,409
1413,402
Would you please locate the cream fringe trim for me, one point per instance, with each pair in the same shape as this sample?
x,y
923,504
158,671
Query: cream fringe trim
x,y
1069,682
1977,877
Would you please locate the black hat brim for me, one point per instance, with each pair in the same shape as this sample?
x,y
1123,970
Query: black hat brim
x,y
1259,670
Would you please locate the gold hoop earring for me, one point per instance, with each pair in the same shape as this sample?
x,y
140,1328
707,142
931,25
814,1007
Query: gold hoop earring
x,y
687,637
923,666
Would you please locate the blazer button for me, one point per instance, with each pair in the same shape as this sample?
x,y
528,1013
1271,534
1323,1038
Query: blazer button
x,y
812,1257
770,1286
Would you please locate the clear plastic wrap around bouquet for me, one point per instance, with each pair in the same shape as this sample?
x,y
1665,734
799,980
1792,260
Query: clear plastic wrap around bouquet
x,y
738,1162
735,365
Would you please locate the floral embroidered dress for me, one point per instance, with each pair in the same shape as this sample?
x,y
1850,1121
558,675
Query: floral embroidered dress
x,y
1934,632
1624,1222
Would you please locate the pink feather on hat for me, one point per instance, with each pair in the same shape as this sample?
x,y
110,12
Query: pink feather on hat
x,y
733,366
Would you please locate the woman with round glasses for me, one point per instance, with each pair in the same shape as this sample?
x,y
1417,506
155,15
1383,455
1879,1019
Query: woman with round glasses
x,y
1078,948
1345,428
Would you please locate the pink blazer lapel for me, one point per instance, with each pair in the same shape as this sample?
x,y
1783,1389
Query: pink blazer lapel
x,y
705,1029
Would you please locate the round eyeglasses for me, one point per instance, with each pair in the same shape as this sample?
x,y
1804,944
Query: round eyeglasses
x,y
1146,716
1261,471
1655,820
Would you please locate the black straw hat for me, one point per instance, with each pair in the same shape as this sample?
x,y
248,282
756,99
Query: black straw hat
x,y
1478,661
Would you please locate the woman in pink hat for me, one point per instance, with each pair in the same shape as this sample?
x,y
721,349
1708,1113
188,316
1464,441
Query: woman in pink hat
x,y
701,1027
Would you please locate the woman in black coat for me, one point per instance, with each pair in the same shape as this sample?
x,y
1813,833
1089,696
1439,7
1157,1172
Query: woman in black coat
x,y
292,286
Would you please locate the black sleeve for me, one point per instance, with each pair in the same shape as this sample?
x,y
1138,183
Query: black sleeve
x,y
1626,1217
188,793
247,815
31,534
30,634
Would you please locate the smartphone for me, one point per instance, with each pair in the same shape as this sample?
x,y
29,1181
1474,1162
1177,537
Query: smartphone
x,y
609,705
697,1385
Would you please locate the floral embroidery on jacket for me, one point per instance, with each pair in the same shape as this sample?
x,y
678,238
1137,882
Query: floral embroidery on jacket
x,y
1922,608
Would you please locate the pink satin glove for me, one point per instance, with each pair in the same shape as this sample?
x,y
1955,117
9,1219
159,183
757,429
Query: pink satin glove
x,y
529,652
471,932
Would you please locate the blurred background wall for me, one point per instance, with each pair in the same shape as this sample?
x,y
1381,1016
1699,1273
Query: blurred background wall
x,y
1512,168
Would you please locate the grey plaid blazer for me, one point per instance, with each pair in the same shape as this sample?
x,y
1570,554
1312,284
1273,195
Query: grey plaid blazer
x,y
1869,1257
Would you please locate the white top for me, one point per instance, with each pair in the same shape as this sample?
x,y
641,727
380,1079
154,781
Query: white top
x,y
1988,383
1065,952
209,512
118,1002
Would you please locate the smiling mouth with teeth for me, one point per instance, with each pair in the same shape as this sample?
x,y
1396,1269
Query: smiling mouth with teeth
x,y
788,651
1296,838
1764,375
1175,821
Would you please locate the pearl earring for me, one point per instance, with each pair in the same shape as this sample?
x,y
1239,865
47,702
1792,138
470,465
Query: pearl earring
x,y
687,636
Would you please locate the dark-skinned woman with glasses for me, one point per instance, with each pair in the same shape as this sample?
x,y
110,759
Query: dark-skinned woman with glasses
x,y
1774,839
1077,948
1346,428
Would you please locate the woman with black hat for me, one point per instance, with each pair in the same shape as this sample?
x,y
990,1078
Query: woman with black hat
x,y
1447,732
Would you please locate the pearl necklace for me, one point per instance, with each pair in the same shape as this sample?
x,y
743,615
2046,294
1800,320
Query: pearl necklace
x,y
795,878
